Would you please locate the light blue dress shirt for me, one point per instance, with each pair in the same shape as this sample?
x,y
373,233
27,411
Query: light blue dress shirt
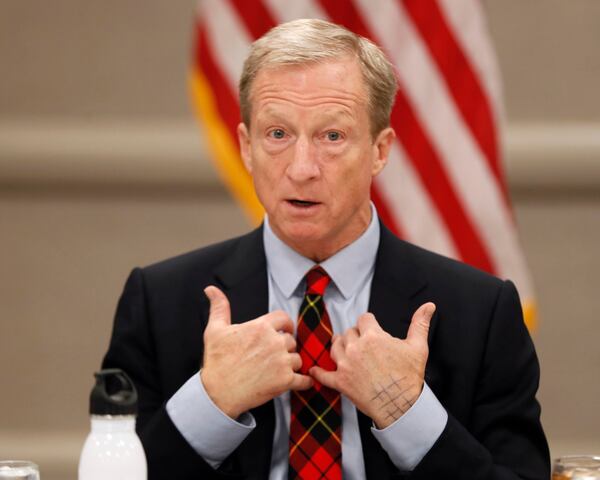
x,y
214,435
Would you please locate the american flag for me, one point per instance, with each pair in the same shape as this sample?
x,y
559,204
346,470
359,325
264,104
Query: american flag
x,y
444,187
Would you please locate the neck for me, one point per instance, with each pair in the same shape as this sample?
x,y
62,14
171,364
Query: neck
x,y
321,249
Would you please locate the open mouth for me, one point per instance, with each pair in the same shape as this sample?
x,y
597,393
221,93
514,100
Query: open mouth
x,y
302,203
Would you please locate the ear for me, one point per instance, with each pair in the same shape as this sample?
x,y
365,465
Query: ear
x,y
245,149
381,149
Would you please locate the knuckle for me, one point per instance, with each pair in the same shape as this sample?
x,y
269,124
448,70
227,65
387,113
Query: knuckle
x,y
288,379
263,326
342,366
251,334
371,340
351,349
273,340
370,336
365,319
279,315
279,340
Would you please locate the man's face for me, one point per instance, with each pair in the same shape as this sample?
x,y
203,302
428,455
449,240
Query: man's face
x,y
311,154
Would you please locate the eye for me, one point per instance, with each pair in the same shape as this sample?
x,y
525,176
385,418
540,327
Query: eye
x,y
333,136
277,133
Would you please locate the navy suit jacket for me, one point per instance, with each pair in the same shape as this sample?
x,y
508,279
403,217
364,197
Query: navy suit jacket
x,y
482,364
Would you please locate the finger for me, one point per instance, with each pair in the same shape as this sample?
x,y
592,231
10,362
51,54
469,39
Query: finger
x,y
280,321
324,377
290,342
301,382
419,325
340,340
220,311
338,349
296,360
351,335
366,322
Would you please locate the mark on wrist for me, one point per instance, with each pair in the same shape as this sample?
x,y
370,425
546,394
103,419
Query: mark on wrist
x,y
391,398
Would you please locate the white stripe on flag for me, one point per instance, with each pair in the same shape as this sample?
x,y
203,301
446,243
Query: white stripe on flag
x,y
284,10
228,38
467,20
411,205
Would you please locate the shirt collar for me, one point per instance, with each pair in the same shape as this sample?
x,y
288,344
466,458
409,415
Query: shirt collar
x,y
348,268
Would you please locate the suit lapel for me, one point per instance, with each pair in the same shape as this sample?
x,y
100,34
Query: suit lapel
x,y
398,289
398,285
243,277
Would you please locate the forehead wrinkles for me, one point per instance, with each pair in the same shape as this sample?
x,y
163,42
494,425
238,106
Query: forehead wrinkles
x,y
338,84
333,101
269,95
323,112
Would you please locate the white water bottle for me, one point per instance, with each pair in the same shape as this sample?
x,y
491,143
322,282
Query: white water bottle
x,y
113,450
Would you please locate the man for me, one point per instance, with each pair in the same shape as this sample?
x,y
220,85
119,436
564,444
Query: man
x,y
322,345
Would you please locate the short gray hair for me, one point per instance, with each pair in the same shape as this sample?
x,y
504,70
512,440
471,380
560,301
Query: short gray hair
x,y
308,41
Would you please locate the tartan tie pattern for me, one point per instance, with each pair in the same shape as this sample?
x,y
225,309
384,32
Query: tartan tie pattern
x,y
316,413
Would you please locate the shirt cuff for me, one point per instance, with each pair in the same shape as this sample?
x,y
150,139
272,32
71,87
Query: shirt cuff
x,y
409,438
210,432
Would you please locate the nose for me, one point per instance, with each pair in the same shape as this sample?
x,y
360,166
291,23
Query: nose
x,y
303,164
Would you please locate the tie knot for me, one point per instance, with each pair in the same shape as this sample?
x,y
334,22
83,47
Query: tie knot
x,y
317,280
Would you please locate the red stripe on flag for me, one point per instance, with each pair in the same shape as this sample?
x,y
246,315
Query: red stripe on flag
x,y
427,163
461,80
226,102
423,156
345,13
257,18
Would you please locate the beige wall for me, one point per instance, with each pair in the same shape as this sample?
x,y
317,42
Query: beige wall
x,y
101,169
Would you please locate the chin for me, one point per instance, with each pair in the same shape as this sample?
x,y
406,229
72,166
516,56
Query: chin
x,y
302,232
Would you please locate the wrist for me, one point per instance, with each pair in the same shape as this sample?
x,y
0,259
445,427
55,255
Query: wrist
x,y
215,391
395,405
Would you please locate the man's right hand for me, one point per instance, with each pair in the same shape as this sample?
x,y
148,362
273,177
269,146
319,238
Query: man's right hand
x,y
248,364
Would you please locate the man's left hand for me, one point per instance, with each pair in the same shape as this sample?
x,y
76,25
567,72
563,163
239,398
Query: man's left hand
x,y
381,375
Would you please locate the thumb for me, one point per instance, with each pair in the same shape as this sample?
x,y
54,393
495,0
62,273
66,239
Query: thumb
x,y
419,325
220,312
324,377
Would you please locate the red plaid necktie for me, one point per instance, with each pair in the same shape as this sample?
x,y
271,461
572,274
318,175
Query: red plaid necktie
x,y
316,414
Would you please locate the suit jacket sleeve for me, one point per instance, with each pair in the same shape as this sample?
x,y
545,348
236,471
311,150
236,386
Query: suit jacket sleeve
x,y
503,439
132,348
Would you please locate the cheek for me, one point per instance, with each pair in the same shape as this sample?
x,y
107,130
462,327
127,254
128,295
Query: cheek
x,y
263,179
266,175
356,177
274,147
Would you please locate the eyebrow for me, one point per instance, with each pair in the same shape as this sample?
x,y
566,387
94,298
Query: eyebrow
x,y
272,112
329,114
335,113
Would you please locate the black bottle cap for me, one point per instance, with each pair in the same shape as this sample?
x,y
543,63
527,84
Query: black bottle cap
x,y
113,394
